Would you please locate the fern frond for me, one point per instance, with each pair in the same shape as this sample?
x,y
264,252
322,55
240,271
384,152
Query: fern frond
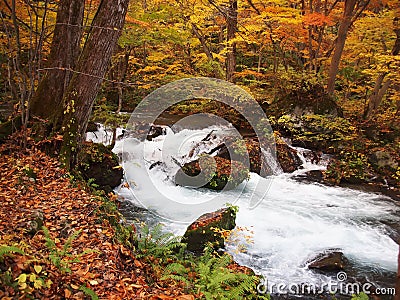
x,y
6,250
89,292
176,268
176,277
69,241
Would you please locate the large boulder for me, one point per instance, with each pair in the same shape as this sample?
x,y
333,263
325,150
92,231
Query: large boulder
x,y
99,163
287,157
212,172
328,261
208,229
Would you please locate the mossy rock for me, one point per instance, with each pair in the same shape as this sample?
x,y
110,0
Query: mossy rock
x,y
305,99
208,229
226,175
99,163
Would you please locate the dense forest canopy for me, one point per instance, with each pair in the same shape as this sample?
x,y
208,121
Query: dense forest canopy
x,y
345,50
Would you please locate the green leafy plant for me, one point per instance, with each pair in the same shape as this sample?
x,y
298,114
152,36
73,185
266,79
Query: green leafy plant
x,y
360,296
8,250
62,257
213,277
157,243
89,292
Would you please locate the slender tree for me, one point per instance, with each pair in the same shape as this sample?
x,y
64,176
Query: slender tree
x,y
382,86
352,10
232,23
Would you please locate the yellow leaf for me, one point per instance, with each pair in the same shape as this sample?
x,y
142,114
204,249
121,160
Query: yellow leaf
x,y
32,277
38,269
38,284
49,282
22,286
75,287
22,278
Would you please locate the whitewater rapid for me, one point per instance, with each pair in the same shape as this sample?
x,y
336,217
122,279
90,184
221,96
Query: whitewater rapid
x,y
292,224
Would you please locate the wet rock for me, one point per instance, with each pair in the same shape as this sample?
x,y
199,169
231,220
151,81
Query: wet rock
x,y
241,149
155,131
287,157
98,162
206,229
328,261
382,159
311,176
212,172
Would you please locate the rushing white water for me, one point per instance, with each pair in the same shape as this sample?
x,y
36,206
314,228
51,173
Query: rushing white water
x,y
293,223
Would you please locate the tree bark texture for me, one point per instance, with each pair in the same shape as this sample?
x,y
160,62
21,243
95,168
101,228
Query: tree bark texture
x,y
89,73
231,20
340,42
64,51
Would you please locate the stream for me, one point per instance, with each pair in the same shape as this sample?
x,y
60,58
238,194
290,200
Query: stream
x,y
293,222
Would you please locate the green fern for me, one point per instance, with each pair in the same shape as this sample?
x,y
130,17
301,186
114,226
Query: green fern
x,y
214,279
7,250
89,292
61,258
176,272
157,243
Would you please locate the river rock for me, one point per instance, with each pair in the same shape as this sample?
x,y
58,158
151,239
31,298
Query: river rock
x,y
311,176
383,159
287,157
100,163
328,261
206,229
216,173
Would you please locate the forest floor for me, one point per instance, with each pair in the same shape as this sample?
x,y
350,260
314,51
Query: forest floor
x,y
78,256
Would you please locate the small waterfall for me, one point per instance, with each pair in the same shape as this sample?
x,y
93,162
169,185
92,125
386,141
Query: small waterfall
x,y
271,161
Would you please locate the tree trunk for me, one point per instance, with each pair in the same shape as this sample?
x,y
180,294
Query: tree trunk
x,y
90,70
380,89
340,42
64,52
231,20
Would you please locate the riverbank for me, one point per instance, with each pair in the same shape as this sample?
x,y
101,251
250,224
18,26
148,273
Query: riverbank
x,y
83,254
61,239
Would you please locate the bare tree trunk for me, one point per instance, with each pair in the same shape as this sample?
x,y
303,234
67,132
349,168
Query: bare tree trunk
x,y
340,42
90,70
231,21
64,52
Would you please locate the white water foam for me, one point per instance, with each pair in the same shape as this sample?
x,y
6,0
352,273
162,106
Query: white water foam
x,y
293,223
